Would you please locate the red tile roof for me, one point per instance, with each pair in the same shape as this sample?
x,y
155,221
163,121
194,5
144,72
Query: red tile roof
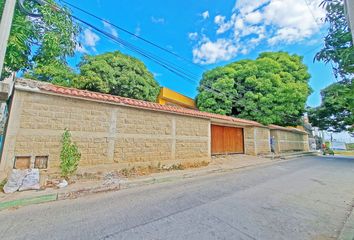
x,y
139,103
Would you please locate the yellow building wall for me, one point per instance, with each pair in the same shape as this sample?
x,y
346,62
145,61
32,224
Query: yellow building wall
x,y
167,96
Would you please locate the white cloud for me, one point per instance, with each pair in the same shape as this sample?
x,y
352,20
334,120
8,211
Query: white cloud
x,y
90,38
263,21
157,20
297,23
247,6
222,25
110,28
205,14
253,17
219,19
81,49
156,74
137,30
193,36
210,52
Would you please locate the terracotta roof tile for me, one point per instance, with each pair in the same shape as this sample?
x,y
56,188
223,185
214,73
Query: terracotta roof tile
x,y
140,103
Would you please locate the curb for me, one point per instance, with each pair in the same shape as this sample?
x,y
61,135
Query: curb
x,y
87,191
124,185
29,201
347,232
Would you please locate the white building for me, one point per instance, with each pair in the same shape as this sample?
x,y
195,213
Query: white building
x,y
338,137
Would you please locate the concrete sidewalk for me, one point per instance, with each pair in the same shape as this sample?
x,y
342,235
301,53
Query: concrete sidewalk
x,y
347,232
87,187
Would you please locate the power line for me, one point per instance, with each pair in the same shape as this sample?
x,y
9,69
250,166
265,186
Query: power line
x,y
142,52
311,50
149,56
319,27
148,41
165,64
157,45
133,34
312,14
122,29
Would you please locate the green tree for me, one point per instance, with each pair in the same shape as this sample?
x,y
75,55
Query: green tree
x,y
36,43
338,44
57,73
336,110
337,107
69,155
272,89
117,74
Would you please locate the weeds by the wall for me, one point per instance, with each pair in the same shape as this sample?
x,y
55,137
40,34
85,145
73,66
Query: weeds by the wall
x,y
69,155
141,171
2,184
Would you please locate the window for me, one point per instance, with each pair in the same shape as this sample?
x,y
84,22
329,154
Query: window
x,y
41,162
22,162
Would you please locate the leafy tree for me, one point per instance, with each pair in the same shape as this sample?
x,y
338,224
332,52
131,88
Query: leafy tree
x,y
222,80
271,89
337,108
36,43
117,74
69,155
57,73
338,44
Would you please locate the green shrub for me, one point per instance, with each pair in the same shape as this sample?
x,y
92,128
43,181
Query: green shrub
x,y
2,184
69,155
350,146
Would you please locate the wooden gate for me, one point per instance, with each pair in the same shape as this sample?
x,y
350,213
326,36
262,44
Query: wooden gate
x,y
226,140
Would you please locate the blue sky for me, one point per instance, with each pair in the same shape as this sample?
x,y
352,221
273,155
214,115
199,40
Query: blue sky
x,y
210,33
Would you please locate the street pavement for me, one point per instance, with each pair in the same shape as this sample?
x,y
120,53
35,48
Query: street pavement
x,y
306,198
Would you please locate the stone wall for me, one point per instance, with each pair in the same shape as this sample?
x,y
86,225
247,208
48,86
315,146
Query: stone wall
x,y
257,140
118,136
288,141
105,133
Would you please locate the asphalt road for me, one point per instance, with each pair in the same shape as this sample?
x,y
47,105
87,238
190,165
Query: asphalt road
x,y
307,198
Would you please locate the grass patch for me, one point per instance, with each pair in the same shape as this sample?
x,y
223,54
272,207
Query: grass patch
x,y
2,184
142,171
344,153
350,146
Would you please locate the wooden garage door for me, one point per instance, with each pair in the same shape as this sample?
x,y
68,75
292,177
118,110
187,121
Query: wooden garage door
x,y
226,139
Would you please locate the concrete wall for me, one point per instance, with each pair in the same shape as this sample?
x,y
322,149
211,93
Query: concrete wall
x,y
105,133
287,141
257,140
119,136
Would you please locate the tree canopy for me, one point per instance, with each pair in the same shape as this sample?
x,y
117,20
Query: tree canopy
x,y
39,46
338,45
117,74
272,89
337,107
36,43
336,112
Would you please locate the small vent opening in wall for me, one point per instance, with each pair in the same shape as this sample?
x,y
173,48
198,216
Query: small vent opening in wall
x,y
41,162
22,162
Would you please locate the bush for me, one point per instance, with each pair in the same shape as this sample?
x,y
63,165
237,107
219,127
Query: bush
x,y
2,184
69,155
350,146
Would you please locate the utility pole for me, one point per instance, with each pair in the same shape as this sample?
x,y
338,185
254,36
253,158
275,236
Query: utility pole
x,y
349,10
5,27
